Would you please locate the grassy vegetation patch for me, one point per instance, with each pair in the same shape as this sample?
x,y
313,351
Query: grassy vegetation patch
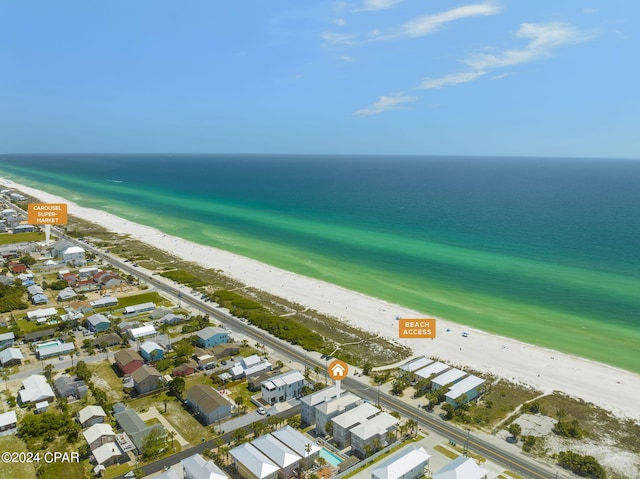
x,y
183,277
498,402
21,237
152,297
105,378
17,470
445,451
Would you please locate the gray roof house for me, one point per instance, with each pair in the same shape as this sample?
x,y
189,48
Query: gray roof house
x,y
208,403
146,379
67,386
129,421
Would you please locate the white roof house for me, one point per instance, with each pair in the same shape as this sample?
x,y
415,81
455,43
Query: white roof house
x,y
104,302
431,369
280,454
8,423
97,431
451,376
106,452
139,308
358,415
296,441
10,354
90,411
196,467
461,468
41,314
464,386
406,464
251,459
378,425
35,389
143,331
415,364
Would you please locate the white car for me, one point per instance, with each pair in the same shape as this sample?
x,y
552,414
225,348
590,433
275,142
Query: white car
x,y
262,411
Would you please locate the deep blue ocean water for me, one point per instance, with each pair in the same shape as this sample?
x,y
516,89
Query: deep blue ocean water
x,y
544,250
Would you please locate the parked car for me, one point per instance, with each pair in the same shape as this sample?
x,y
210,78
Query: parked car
x,y
262,411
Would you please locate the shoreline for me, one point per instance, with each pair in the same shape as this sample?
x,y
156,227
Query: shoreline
x,y
606,386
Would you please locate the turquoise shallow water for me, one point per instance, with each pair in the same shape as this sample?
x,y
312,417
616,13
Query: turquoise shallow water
x,y
545,251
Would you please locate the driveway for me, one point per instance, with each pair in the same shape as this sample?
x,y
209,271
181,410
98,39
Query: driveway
x,y
153,412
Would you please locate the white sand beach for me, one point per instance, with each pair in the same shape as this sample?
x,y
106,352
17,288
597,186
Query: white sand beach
x,y
612,388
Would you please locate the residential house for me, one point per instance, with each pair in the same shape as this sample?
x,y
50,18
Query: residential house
x,y
196,467
282,387
464,391
128,360
44,351
210,337
146,379
252,464
302,445
151,351
67,386
38,335
342,423
74,255
146,331
109,454
126,326
209,405
129,421
107,279
408,463
452,376
88,272
98,323
462,467
66,294
206,361
283,457
41,315
110,339
35,389
415,364
327,410
172,318
139,309
8,423
6,340
17,268
376,433
91,415
309,403
104,302
431,370
23,228
10,356
99,434
225,350
185,369
250,366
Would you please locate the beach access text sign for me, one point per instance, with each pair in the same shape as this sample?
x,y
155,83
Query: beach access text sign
x,y
417,328
47,214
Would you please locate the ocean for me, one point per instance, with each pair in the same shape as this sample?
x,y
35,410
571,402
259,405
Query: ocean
x,y
546,251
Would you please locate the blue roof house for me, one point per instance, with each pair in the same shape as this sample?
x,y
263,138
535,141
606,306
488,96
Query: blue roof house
x,y
210,337
151,351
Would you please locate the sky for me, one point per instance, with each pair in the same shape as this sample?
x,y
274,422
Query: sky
x,y
413,77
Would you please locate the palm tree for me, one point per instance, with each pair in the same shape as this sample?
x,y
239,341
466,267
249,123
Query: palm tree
x,y
307,451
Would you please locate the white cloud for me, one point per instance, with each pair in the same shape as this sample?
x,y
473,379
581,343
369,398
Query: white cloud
x,y
544,37
450,80
338,38
339,21
427,24
346,58
502,75
374,5
590,10
386,103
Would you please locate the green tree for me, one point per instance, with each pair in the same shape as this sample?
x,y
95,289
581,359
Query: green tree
x,y
176,386
515,430
82,371
294,421
448,410
154,443
238,435
48,372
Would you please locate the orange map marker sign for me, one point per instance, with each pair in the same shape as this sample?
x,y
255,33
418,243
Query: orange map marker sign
x,y
47,214
338,370
417,328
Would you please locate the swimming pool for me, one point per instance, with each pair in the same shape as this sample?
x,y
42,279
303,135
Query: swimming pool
x,y
330,457
48,344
